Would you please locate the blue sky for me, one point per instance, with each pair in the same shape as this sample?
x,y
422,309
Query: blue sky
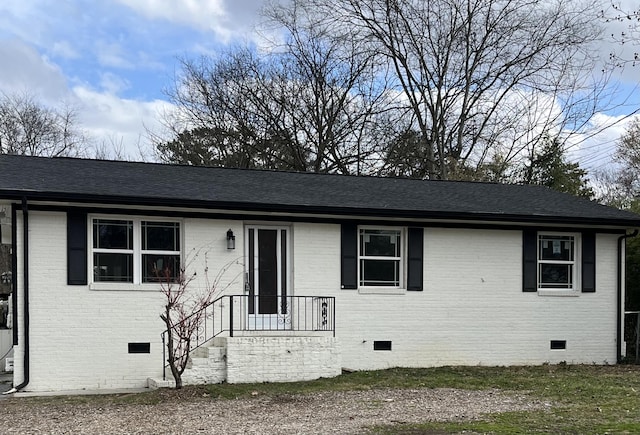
x,y
111,60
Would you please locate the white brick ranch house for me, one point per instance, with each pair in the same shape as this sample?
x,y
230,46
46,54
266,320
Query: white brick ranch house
x,y
322,272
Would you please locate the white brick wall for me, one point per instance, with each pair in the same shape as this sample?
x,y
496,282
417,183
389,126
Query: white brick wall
x,y
208,366
281,359
79,337
472,310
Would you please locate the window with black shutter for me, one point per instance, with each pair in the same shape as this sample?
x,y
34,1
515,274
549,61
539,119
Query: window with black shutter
x,y
76,248
376,257
558,261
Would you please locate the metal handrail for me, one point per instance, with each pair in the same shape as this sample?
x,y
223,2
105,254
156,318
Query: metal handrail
x,y
201,336
244,312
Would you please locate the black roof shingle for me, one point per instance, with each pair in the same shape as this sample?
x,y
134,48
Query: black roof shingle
x,y
67,179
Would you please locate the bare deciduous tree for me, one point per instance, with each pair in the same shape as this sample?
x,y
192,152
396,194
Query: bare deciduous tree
x,y
30,128
181,322
185,308
309,104
628,36
618,184
478,75
438,89
628,148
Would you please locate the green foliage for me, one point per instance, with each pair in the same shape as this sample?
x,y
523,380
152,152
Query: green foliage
x,y
405,158
550,168
626,186
228,147
632,302
197,147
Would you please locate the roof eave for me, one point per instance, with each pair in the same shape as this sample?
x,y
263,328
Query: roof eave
x,y
309,209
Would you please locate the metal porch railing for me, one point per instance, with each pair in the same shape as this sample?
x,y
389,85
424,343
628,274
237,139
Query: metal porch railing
x,y
282,315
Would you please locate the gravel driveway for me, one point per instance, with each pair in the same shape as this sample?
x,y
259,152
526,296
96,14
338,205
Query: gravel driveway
x,y
318,413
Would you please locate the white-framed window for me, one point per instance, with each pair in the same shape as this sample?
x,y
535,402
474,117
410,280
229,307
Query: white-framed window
x,y
558,261
134,250
380,257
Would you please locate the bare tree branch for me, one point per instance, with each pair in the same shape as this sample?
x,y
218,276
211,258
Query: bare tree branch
x,y
30,128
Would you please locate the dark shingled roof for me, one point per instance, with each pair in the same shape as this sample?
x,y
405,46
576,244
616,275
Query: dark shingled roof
x,y
66,179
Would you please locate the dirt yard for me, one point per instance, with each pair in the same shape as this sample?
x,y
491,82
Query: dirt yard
x,y
344,412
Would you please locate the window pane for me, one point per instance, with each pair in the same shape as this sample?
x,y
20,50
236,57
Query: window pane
x,y
112,267
556,248
380,243
112,234
380,273
556,275
161,236
156,268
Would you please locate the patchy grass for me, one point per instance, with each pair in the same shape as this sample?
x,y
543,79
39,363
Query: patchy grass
x,y
586,399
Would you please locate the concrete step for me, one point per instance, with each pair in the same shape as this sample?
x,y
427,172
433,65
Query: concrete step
x,y
216,353
154,383
207,365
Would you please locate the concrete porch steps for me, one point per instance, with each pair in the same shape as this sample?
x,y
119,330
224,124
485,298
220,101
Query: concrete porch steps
x,y
207,365
260,359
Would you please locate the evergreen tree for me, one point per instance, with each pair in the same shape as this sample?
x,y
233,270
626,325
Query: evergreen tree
x,y
551,168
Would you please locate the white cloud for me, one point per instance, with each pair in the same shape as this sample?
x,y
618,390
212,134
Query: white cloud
x,y
108,118
38,22
113,84
64,50
112,54
202,14
25,70
596,149
14,14
226,18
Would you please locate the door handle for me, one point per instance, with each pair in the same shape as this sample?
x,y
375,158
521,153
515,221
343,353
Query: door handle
x,y
247,285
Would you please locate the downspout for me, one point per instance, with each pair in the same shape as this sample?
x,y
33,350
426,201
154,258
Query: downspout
x,y
620,305
14,270
25,295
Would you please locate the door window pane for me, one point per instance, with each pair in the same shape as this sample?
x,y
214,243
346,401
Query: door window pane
x,y
268,271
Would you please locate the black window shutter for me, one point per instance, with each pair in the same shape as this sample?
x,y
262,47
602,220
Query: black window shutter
x,y
415,267
349,256
76,248
588,262
529,261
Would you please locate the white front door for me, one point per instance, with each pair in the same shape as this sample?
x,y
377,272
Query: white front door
x,y
267,277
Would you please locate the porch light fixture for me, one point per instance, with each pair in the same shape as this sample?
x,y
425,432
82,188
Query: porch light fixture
x,y
231,240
